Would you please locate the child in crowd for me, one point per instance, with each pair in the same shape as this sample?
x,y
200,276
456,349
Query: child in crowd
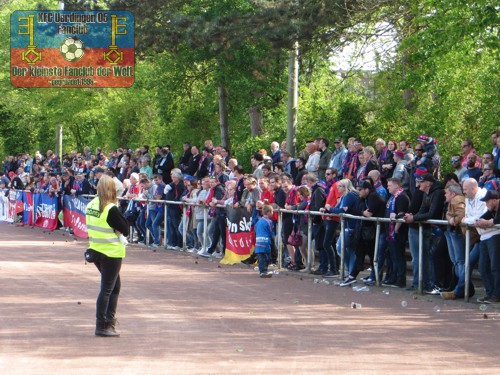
x,y
264,235
430,146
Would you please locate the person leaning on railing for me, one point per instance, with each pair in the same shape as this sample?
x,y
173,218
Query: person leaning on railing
x,y
348,198
489,265
453,234
174,192
397,233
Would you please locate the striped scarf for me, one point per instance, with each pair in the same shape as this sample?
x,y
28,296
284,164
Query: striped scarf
x,y
391,208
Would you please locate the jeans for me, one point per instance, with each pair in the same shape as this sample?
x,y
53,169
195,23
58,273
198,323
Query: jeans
x,y
382,256
153,223
473,261
140,224
263,262
456,250
191,238
427,261
413,242
173,221
200,233
330,229
107,299
349,254
210,232
489,265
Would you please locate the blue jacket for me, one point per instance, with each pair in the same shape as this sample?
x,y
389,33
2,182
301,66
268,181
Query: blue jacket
x,y
349,200
263,235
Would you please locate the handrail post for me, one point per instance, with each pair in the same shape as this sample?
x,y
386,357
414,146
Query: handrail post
x,y
467,265
147,230
205,231
185,223
165,212
131,231
375,254
310,253
342,247
280,240
420,258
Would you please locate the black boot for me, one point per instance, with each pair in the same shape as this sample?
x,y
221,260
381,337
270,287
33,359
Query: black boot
x,y
102,329
250,260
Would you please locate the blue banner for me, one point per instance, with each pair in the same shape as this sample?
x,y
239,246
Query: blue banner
x,y
45,208
28,207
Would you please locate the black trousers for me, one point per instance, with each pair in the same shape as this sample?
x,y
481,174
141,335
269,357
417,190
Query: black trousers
x,y
219,233
107,300
363,248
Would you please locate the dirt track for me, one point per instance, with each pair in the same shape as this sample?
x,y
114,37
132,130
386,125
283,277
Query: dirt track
x,y
182,315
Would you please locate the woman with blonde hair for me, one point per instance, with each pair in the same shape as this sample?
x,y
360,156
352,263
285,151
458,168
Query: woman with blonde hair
x,y
105,225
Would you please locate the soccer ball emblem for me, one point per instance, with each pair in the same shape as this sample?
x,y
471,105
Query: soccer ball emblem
x,y
72,49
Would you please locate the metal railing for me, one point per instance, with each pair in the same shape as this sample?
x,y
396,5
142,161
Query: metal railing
x,y
310,250
343,217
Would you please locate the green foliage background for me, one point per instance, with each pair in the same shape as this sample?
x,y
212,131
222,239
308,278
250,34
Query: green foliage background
x,y
446,59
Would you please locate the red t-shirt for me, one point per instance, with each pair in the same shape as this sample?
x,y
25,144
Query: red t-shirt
x,y
332,199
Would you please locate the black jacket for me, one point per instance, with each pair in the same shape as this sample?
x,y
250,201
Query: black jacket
x,y
165,167
318,200
432,204
175,194
375,203
193,164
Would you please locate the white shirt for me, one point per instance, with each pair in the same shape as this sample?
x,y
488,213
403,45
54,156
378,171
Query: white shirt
x,y
474,209
313,162
119,187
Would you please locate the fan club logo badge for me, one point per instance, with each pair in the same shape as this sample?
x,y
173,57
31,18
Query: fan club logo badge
x,y
72,49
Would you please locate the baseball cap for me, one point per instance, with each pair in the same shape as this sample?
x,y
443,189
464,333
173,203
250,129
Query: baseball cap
x,y
337,140
98,169
490,194
426,177
363,184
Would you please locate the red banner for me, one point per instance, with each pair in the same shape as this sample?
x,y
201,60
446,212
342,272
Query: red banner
x,y
240,236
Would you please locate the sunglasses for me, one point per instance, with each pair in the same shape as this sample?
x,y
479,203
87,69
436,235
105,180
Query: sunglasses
x,y
455,160
419,149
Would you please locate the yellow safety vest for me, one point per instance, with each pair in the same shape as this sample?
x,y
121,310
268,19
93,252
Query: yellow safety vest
x,y
102,237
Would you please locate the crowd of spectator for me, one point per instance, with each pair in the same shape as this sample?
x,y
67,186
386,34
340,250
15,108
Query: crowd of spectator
x,y
390,180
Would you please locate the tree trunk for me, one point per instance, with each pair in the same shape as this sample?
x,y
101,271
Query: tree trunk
x,y
255,121
408,93
223,116
293,89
